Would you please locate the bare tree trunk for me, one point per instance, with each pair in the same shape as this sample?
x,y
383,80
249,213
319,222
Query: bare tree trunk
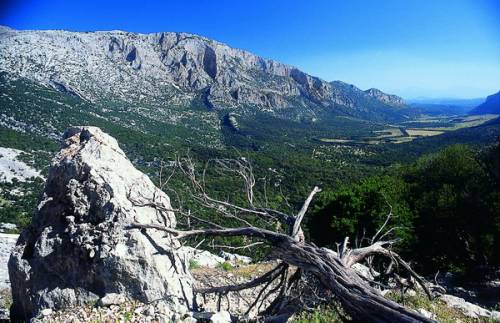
x,y
358,298
333,270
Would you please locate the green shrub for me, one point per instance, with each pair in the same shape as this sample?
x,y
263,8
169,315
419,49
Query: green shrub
x,y
226,266
193,264
446,210
323,314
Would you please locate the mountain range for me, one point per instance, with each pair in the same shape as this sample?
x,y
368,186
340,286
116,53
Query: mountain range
x,y
179,70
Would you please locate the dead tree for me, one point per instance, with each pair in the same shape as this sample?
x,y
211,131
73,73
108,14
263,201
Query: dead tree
x,y
332,269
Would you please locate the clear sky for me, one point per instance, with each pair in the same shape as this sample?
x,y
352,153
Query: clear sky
x,y
414,48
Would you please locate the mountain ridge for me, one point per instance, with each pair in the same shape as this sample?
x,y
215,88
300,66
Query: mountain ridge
x,y
177,69
490,106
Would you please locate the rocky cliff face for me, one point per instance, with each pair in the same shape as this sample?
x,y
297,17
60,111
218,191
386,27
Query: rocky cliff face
x,y
79,247
168,68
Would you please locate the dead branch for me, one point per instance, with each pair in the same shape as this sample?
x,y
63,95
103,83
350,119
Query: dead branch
x,y
357,297
269,276
332,270
302,212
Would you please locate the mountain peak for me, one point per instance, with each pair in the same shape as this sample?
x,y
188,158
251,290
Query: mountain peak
x,y
390,99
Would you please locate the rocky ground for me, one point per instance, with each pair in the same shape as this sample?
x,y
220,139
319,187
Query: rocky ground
x,y
13,168
7,242
236,302
118,309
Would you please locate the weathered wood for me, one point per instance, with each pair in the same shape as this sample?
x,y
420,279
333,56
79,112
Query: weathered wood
x,y
359,299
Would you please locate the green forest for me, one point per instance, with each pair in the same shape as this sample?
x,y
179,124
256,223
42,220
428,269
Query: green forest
x,y
445,210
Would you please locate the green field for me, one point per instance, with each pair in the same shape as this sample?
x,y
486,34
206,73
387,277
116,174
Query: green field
x,y
410,130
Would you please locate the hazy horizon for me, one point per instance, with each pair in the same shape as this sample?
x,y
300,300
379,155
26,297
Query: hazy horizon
x,y
414,49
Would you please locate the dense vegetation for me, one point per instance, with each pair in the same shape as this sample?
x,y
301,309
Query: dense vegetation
x,y
446,210
288,160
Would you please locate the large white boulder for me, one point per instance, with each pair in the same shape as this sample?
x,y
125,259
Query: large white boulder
x,y
80,247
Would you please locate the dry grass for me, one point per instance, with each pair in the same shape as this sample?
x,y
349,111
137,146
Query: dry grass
x,y
243,271
5,298
388,133
337,141
444,314
423,133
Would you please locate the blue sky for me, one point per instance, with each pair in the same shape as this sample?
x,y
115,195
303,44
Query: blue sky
x,y
429,48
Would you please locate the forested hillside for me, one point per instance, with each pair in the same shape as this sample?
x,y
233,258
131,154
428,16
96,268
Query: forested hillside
x,y
445,210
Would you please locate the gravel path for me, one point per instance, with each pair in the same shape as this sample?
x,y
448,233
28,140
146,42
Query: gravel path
x,y
7,242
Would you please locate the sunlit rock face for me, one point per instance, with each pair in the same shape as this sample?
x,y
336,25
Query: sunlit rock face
x,y
79,246
175,69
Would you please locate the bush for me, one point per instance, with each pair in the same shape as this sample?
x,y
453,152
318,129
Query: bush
x,y
323,314
193,264
446,206
359,210
226,266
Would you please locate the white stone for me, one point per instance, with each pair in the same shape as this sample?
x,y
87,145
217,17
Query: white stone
x,y
202,257
7,226
112,299
92,181
150,310
468,309
7,244
427,314
46,311
221,317
235,258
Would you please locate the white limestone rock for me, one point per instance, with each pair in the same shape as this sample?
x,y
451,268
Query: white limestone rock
x,y
79,246
214,317
7,244
13,168
202,258
112,299
235,258
468,309
427,314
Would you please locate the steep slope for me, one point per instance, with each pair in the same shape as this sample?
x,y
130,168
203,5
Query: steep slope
x,y
490,106
372,104
389,99
179,70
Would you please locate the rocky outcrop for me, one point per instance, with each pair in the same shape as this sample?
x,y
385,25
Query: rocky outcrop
x,y
78,248
469,309
12,167
235,258
7,243
201,258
